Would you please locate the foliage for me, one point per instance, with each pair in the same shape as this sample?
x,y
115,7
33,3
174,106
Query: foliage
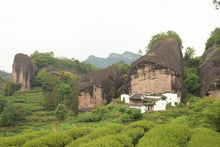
x,y
145,124
3,103
8,115
192,84
75,102
206,113
89,117
52,99
217,3
21,139
75,133
101,132
204,137
189,53
166,135
123,68
53,140
20,112
44,79
125,117
214,38
64,92
163,36
61,112
10,87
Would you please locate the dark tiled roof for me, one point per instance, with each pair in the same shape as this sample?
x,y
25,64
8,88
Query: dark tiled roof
x,y
136,96
137,105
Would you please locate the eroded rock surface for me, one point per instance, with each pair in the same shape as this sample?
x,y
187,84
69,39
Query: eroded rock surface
x,y
22,71
161,70
97,87
209,72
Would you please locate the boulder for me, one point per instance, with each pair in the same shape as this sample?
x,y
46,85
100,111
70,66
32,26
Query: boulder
x,y
97,87
23,71
209,72
159,71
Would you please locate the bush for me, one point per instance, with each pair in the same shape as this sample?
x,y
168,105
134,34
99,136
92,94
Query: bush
x,y
122,109
125,117
78,132
166,135
135,134
103,142
145,124
53,140
204,137
89,117
101,132
135,114
8,115
21,139
61,112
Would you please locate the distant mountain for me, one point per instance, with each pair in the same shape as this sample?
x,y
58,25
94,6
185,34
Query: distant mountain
x,y
127,57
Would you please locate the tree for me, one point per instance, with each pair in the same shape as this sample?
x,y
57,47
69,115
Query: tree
x,y
8,115
189,53
8,88
192,84
52,99
3,103
61,112
217,3
75,102
163,36
64,92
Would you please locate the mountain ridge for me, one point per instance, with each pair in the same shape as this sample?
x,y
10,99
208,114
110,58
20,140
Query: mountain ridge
x,y
128,57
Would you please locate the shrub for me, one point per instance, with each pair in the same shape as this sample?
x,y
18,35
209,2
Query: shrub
x,y
135,134
101,132
8,115
53,140
61,112
168,134
122,109
204,137
125,117
21,139
89,117
145,124
78,132
135,114
103,142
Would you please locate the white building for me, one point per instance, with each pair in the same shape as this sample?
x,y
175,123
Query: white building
x,y
125,98
147,103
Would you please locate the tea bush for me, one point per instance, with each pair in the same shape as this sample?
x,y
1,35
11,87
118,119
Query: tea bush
x,y
145,124
166,135
204,137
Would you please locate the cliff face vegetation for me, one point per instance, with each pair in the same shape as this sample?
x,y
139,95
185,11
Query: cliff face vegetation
x,y
98,87
23,71
160,70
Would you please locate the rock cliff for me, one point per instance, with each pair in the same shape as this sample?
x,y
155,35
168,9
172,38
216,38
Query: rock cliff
x,y
98,87
159,71
23,71
209,72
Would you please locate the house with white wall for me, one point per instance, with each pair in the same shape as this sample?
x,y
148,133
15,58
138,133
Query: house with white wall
x,y
147,103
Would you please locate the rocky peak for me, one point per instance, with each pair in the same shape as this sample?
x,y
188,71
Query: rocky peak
x,y
23,71
209,72
159,71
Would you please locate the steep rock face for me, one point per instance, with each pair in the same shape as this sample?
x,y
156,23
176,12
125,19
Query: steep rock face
x,y
159,71
209,72
22,71
96,87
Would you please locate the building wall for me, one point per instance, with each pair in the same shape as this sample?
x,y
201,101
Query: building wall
x,y
172,98
125,97
160,105
142,108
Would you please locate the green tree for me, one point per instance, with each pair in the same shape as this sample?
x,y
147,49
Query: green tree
x,y
61,112
217,3
75,102
163,36
214,38
192,84
20,112
3,103
8,115
8,88
64,92
189,53
52,99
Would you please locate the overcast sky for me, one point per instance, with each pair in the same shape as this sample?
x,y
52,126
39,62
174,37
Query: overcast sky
x,y
79,28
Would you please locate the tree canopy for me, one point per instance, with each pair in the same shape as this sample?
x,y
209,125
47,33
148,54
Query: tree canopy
x,y
163,36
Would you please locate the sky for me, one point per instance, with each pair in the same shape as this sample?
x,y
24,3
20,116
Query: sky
x,y
80,28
